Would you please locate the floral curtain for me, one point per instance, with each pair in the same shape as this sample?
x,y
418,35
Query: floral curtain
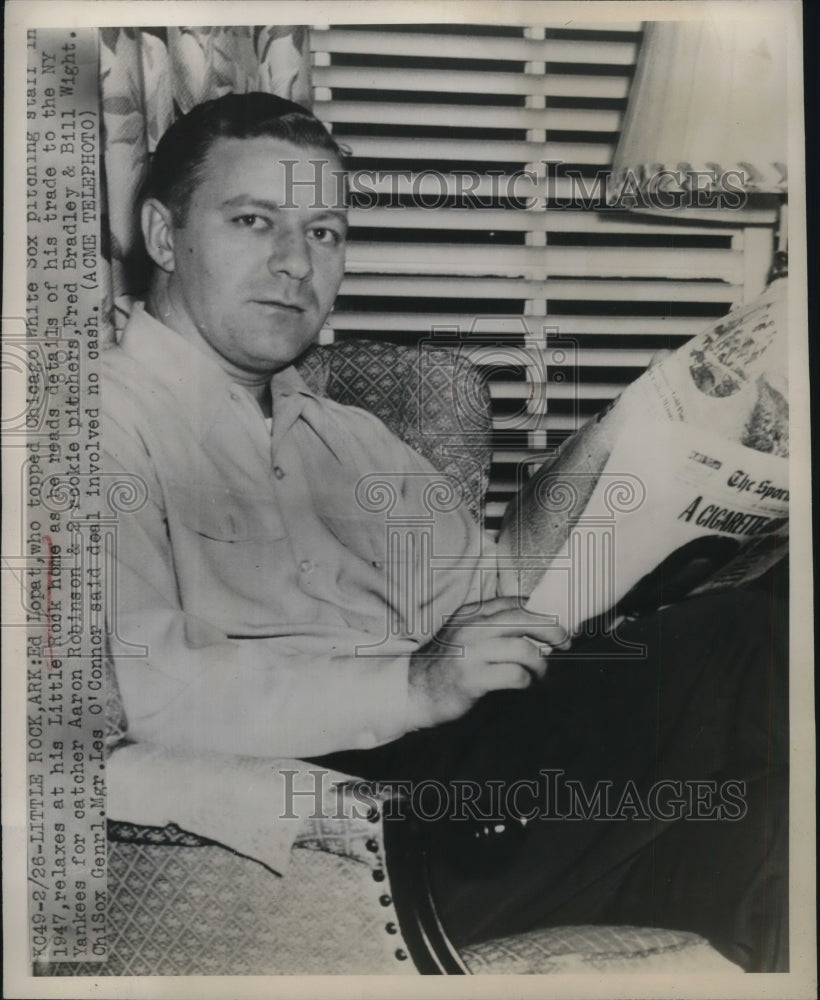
x,y
150,76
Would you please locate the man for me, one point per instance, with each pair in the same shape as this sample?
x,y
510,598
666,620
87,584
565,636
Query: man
x,y
251,567
253,585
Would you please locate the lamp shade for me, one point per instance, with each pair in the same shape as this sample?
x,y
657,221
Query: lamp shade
x,y
708,98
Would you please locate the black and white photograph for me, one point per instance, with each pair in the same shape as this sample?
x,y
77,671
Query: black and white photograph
x,y
405,423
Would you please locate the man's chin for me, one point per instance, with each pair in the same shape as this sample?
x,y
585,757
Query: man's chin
x,y
283,352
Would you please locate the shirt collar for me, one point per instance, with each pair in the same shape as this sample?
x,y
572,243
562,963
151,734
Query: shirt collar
x,y
196,380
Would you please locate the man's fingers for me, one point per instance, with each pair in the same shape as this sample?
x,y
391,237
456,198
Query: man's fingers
x,y
497,676
552,635
518,650
510,623
505,616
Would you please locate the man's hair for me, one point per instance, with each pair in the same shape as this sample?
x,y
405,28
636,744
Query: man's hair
x,y
177,162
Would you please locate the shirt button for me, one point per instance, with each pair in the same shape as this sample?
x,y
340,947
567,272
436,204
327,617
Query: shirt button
x,y
234,395
306,565
401,954
279,472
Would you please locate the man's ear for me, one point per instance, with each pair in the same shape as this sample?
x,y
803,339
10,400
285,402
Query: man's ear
x,y
158,233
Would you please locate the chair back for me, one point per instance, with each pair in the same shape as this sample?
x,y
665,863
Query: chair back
x,y
431,396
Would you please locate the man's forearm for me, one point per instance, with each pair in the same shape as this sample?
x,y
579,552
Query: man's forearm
x,y
289,696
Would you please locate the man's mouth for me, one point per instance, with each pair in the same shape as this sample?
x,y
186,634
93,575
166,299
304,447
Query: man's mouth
x,y
281,304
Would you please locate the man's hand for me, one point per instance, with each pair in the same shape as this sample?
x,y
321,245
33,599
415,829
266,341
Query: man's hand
x,y
467,659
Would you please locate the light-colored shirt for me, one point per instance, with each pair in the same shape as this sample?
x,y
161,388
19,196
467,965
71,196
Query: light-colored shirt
x,y
271,584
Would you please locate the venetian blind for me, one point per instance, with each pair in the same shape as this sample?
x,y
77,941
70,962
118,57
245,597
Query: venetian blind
x,y
478,152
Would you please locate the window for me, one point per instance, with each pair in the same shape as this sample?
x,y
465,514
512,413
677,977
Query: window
x,y
477,153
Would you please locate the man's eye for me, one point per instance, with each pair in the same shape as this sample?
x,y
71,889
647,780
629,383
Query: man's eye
x,y
323,234
251,221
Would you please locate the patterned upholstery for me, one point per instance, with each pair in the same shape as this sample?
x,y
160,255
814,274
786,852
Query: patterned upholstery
x,y
597,949
430,396
176,911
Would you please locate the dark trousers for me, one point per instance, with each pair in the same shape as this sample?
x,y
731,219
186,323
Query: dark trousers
x,y
665,797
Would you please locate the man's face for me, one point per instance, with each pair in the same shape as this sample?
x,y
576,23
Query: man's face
x,y
260,258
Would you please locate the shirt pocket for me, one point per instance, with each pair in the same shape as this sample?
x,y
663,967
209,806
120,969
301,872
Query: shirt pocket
x,y
230,551
226,515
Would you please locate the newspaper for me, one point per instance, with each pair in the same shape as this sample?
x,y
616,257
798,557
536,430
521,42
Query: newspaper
x,y
61,514
680,487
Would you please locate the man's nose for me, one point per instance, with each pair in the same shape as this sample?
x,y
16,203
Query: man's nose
x,y
290,255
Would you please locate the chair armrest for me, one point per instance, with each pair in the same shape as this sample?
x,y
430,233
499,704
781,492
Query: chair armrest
x,y
259,808
598,950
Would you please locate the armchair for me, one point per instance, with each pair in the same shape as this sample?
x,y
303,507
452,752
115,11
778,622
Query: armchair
x,y
201,890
